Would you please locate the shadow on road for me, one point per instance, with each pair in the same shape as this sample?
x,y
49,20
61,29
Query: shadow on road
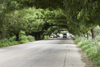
x,y
59,39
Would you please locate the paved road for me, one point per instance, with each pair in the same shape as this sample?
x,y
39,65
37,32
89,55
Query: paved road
x,y
44,53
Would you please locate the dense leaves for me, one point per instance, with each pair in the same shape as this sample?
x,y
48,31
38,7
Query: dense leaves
x,y
36,17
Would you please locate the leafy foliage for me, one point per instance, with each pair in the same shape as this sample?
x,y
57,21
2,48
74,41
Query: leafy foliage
x,y
12,41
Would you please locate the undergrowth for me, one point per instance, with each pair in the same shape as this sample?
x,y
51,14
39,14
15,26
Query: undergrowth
x,y
91,49
46,37
12,41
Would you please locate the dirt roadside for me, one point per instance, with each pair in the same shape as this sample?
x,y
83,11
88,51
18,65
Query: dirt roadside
x,y
88,62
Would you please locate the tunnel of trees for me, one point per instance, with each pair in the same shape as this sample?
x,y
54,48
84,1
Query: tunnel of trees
x,y
23,21
43,17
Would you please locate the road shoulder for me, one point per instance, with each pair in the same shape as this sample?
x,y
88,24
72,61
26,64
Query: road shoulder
x,y
87,61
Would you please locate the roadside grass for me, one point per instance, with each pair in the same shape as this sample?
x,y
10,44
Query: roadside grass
x,y
90,48
12,41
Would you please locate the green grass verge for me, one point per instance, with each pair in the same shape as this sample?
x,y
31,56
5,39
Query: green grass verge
x,y
90,48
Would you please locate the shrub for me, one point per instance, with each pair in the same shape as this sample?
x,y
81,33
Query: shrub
x,y
51,36
46,37
73,37
25,39
77,40
98,38
4,41
12,41
8,42
30,38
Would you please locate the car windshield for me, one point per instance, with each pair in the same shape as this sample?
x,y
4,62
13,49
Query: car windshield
x,y
64,34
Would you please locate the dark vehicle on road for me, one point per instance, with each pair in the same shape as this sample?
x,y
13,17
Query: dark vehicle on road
x,y
64,35
55,36
58,36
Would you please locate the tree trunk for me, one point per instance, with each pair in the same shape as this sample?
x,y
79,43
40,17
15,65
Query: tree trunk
x,y
84,35
17,37
43,37
79,35
93,33
39,36
35,34
87,36
49,35
2,34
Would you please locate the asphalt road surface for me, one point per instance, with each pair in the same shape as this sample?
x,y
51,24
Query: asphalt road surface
x,y
57,52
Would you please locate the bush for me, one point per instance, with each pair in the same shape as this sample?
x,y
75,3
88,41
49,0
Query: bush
x,y
73,37
51,36
98,38
23,39
8,42
11,41
4,40
46,37
77,40
30,38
